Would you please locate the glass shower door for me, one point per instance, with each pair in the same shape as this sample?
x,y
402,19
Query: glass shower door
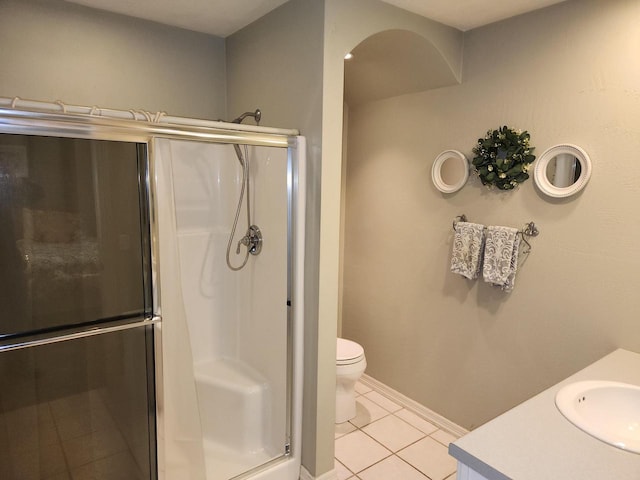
x,y
78,409
76,348
228,330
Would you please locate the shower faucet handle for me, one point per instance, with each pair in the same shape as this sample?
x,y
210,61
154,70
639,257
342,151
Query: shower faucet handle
x,y
252,240
243,241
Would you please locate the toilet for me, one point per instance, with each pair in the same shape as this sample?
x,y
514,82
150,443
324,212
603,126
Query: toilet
x,y
350,365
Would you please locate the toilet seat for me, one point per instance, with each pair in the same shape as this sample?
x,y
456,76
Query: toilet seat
x,y
348,352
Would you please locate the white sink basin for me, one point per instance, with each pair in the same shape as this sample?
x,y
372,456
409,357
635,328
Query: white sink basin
x,y
609,411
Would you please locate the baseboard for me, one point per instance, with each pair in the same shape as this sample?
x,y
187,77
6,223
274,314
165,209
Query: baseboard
x,y
415,407
305,475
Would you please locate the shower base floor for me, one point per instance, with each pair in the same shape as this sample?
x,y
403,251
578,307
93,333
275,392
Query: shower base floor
x,y
223,464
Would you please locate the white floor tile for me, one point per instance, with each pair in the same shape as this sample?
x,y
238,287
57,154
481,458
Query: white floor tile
x,y
33,437
361,388
119,466
367,412
357,451
82,422
391,468
81,402
44,462
383,401
416,421
430,457
93,446
342,472
344,428
443,437
393,432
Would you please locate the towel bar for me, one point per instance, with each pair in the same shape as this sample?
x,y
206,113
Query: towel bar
x,y
529,230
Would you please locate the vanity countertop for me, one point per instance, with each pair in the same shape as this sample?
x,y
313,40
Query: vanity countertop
x,y
533,441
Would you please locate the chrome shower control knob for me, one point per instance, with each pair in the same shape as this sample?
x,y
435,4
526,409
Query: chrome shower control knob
x,y
254,240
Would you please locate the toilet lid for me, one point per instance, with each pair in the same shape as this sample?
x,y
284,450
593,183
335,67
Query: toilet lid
x,y
348,351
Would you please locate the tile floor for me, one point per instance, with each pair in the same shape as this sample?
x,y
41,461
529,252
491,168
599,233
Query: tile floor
x,y
388,442
73,437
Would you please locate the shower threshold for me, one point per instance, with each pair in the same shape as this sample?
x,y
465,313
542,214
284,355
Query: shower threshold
x,y
223,464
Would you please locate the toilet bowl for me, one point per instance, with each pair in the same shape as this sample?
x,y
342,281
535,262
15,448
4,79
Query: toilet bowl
x,y
350,365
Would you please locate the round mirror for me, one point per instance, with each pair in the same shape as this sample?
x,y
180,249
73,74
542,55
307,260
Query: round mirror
x,y
562,170
450,171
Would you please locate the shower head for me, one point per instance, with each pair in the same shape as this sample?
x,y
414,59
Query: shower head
x,y
257,115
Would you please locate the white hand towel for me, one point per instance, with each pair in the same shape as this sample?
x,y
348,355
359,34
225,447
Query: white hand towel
x,y
466,255
501,256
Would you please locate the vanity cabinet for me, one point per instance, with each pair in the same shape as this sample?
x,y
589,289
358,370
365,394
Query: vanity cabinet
x,y
466,473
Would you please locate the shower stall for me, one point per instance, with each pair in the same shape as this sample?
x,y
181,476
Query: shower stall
x,y
228,351
208,362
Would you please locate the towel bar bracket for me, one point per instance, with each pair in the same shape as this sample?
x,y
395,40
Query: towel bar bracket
x,y
530,230
459,218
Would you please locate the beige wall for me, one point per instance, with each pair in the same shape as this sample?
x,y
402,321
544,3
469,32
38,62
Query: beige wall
x,y
569,73
290,64
276,64
53,50
347,23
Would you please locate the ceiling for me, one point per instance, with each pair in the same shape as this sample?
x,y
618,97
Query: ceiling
x,y
468,14
224,17
215,17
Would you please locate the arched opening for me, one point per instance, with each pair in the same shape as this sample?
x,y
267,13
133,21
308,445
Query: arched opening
x,y
392,63
387,64
380,211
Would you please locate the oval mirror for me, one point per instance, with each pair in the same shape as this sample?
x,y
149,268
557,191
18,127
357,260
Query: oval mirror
x,y
450,171
562,170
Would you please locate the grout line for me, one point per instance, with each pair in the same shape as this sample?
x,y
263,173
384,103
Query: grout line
x,y
403,405
425,413
379,443
64,452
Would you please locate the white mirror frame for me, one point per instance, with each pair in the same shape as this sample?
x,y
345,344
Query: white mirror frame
x,y
540,170
436,171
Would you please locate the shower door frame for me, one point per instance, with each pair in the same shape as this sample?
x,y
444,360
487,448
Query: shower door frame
x,y
46,123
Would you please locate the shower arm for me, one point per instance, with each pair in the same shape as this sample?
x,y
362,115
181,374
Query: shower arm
x,y
257,115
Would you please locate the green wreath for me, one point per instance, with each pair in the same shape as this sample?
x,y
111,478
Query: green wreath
x,y
503,158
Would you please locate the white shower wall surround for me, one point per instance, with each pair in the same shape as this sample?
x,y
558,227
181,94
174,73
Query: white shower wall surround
x,y
225,335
